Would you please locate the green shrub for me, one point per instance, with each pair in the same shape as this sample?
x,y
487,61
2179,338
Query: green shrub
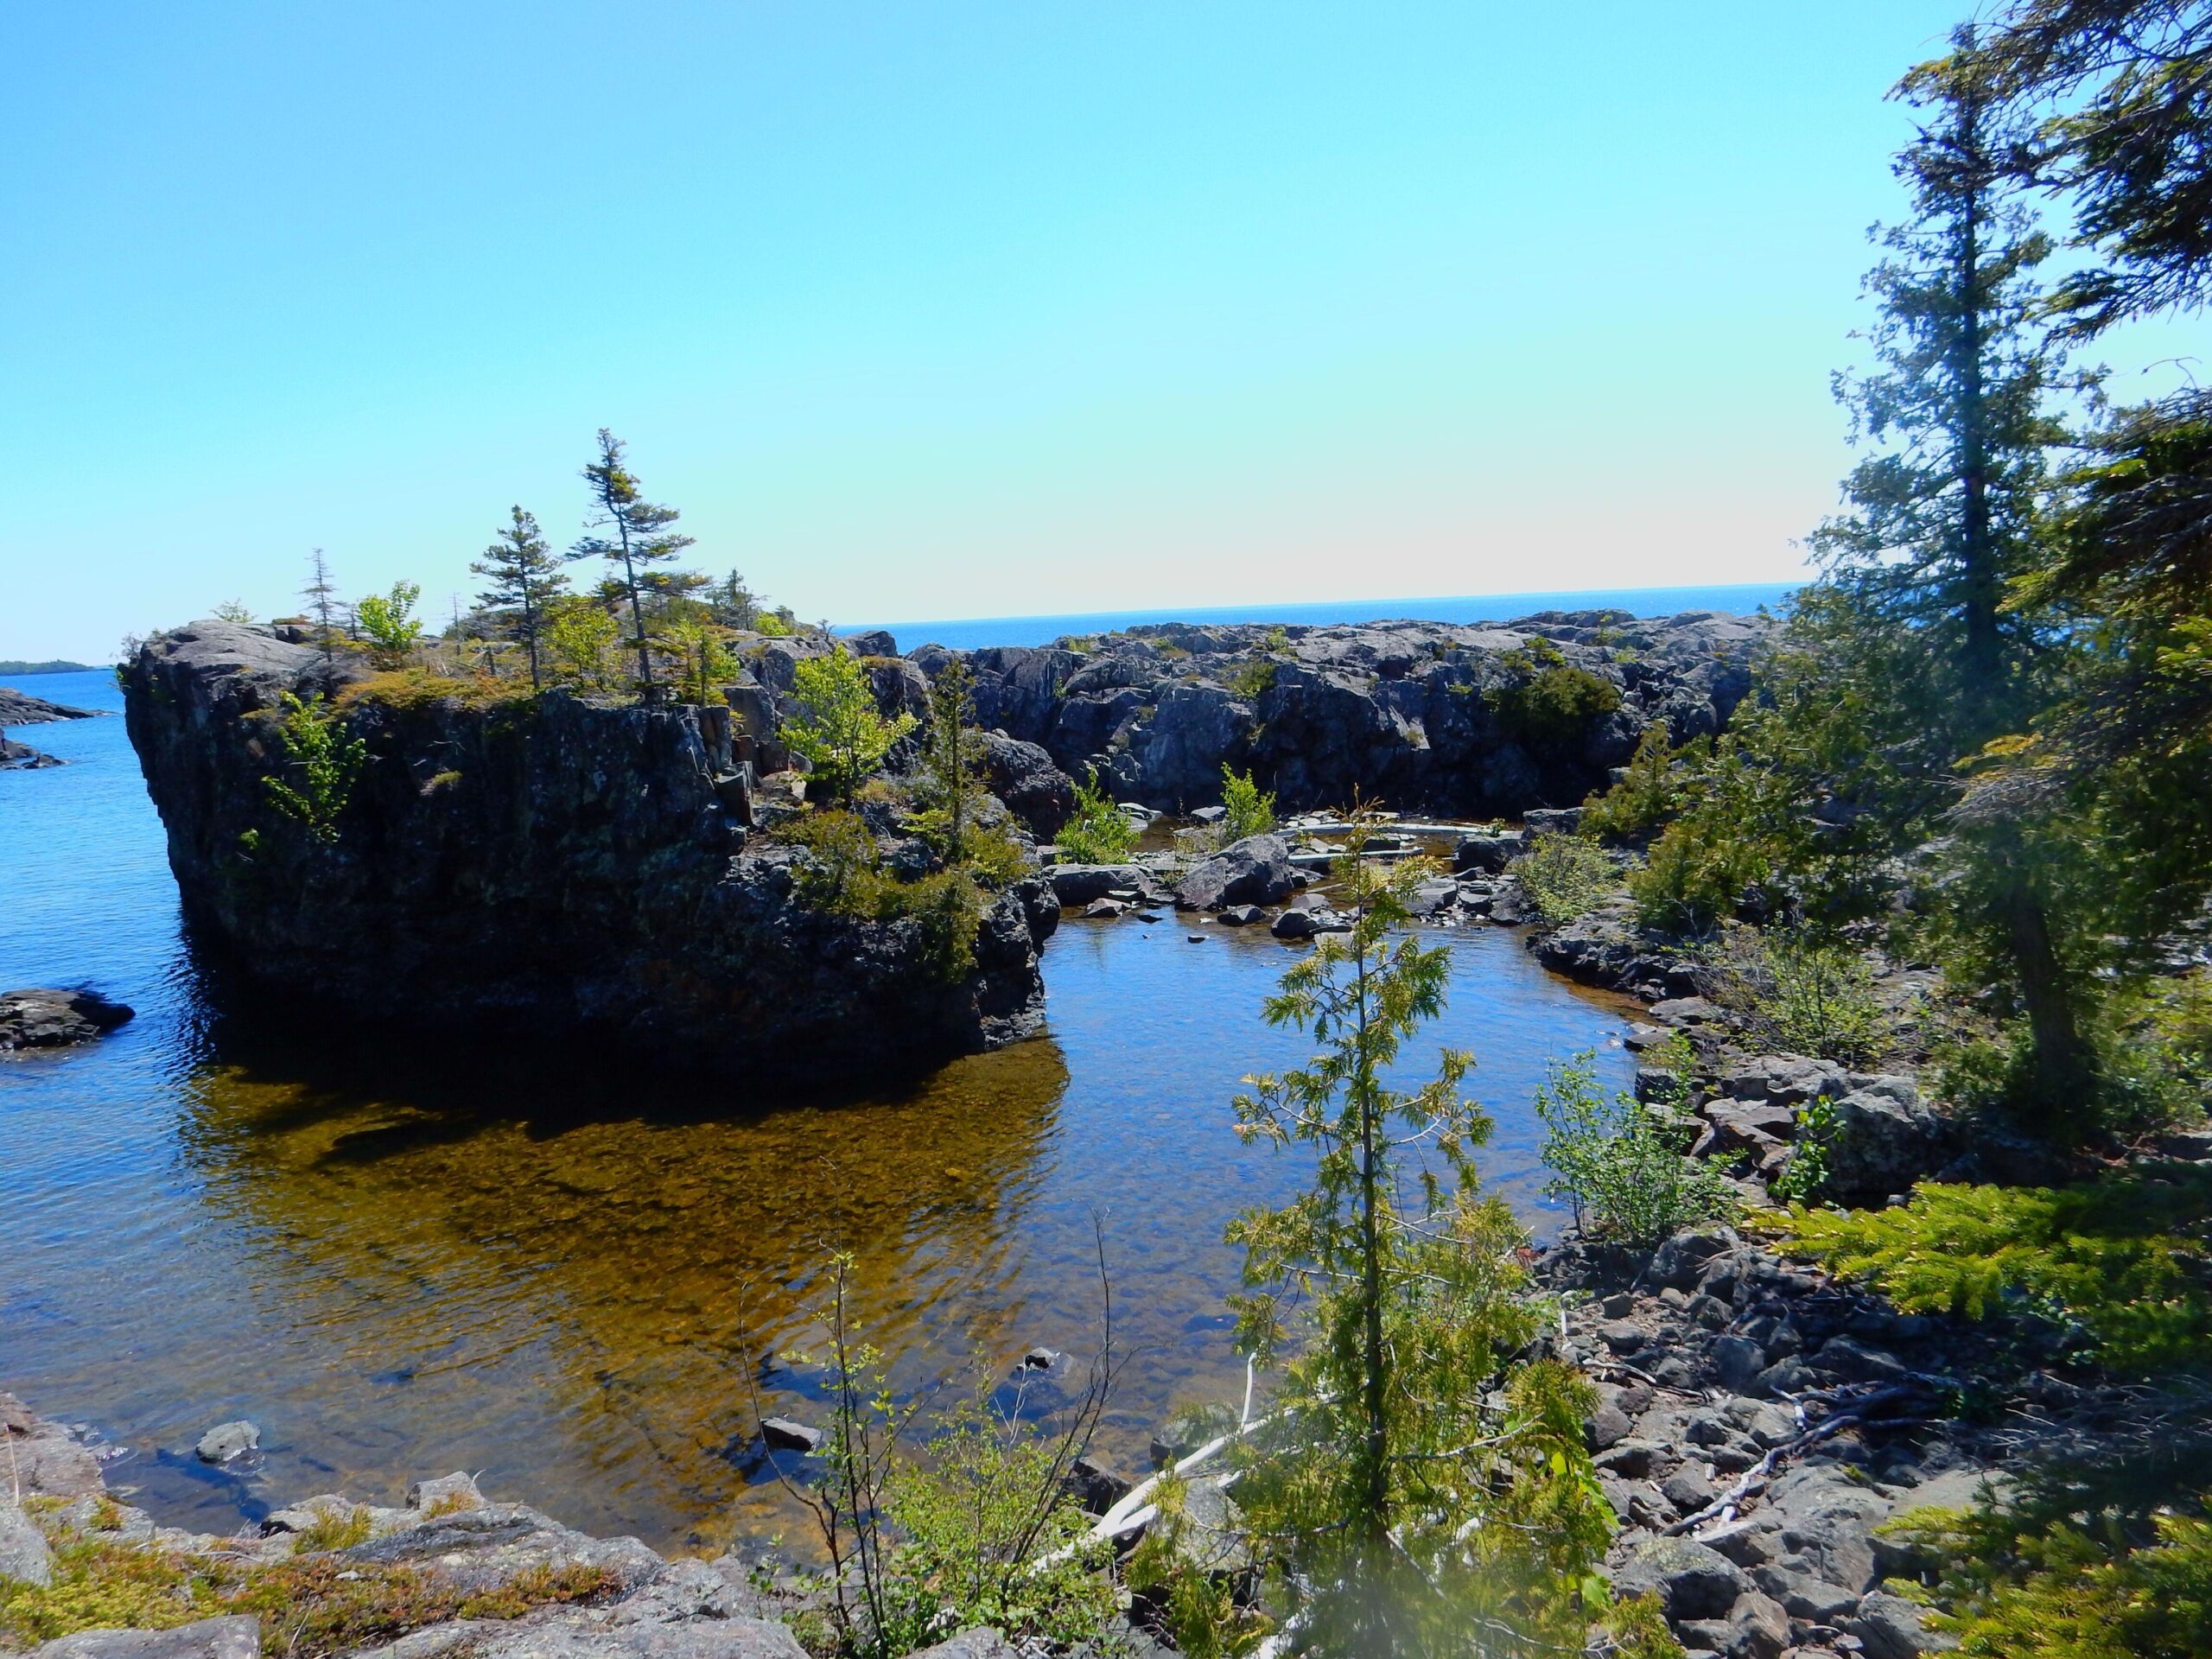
x,y
388,621
1099,832
1253,680
843,874
1563,876
1621,1164
1694,877
2122,1258
1248,812
1649,794
1547,703
839,730
1803,994
330,1531
323,760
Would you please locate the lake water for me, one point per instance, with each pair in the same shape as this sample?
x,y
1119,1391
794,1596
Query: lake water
x,y
971,633
400,1259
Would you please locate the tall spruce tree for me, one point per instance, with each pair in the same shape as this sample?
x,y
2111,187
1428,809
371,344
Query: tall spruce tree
x,y
642,539
525,574
1945,510
321,595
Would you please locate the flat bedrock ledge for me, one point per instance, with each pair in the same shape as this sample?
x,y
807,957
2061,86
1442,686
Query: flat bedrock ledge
x,y
552,869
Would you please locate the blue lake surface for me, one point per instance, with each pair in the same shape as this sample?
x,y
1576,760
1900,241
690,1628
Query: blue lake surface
x,y
402,1258
974,632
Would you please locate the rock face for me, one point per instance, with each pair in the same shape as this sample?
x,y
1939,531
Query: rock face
x,y
1255,871
1394,710
56,1019
550,869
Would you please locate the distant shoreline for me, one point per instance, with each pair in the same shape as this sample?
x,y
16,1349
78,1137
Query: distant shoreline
x,y
57,666
968,634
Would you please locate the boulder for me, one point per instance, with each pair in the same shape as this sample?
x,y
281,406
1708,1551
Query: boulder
x,y
46,1019
1254,871
444,1494
1755,1628
985,1643
1292,925
1078,885
1889,1627
1789,1079
228,1440
1039,795
238,1637
1488,854
24,1554
1690,1581
1096,1484
1242,915
783,1434
1881,1139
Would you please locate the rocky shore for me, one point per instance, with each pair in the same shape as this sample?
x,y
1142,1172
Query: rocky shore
x,y
21,708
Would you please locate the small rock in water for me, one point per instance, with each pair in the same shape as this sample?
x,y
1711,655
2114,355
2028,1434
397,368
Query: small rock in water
x,y
43,1018
1039,1359
228,1440
1242,915
1195,938
1104,907
1292,925
446,1494
782,1434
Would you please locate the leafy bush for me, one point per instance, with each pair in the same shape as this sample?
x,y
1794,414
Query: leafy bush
x,y
1098,832
323,759
703,663
2122,1258
1253,680
1563,876
1694,876
1803,993
1622,1165
1547,703
839,730
1248,812
389,620
579,637
1807,1172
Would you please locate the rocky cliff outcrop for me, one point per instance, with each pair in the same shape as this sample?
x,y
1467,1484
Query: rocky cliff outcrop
x,y
1409,713
547,867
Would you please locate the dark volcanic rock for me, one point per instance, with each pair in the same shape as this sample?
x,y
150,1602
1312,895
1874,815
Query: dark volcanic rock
x,y
55,1018
1035,791
21,708
20,757
1255,871
1394,710
548,868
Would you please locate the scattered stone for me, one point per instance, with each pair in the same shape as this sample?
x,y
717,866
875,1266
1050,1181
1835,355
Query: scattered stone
x,y
782,1434
228,1440
1104,907
47,1018
1242,915
1040,1359
1194,939
1890,1628
1292,925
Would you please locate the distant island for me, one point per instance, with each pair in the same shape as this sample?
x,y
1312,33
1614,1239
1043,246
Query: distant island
x,y
12,665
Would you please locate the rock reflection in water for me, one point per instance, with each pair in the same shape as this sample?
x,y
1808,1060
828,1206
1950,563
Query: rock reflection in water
x,y
594,1277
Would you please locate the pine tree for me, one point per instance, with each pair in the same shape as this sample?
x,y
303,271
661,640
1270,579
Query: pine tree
x,y
525,574
952,756
320,594
642,539
1946,512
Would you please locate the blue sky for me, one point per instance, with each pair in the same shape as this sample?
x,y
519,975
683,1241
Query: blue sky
x,y
933,310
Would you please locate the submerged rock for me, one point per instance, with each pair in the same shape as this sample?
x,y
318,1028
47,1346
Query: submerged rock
x,y
228,1440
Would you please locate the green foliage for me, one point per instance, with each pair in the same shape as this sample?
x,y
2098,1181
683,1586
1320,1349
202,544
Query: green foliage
x,y
1623,1166
702,661
988,1536
838,728
335,1531
1648,795
643,538
844,875
1545,702
2123,1258
1806,1173
2069,1591
525,577
1637,1628
323,759
1098,832
775,625
980,1530
580,638
1170,1568
1563,876
1805,995
391,624
1247,811
1253,680
1276,641
1417,1479
952,763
